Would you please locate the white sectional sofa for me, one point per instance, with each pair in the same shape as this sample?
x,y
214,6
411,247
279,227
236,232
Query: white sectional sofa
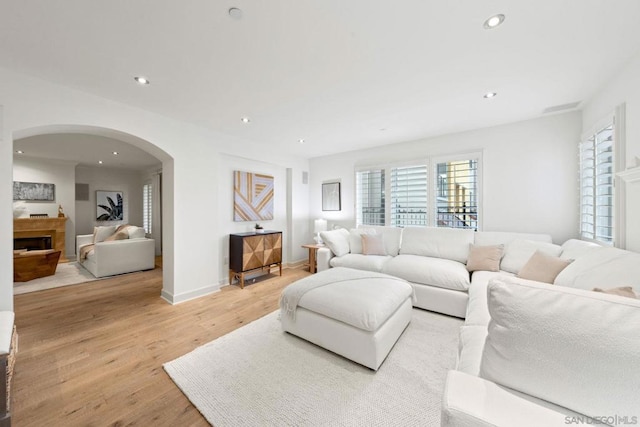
x,y
432,259
530,353
109,251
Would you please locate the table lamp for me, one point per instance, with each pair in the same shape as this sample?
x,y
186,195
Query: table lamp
x,y
319,225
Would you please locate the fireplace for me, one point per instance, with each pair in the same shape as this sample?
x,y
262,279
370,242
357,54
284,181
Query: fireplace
x,y
54,228
32,243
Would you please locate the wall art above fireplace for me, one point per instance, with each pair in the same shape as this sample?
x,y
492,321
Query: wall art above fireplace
x,y
34,191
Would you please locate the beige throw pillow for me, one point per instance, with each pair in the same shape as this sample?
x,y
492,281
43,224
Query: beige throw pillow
x,y
543,268
623,291
120,235
373,244
485,258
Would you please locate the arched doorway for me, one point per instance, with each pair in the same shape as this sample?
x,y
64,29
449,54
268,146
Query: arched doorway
x,y
140,144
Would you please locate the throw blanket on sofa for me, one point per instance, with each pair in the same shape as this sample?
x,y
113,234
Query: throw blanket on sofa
x,y
291,294
84,251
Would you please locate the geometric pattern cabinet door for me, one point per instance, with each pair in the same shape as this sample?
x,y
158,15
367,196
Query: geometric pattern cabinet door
x,y
252,251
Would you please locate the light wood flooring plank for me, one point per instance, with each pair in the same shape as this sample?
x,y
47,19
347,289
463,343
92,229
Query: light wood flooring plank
x,y
92,354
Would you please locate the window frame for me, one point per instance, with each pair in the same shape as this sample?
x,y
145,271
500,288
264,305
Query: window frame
x,y
431,164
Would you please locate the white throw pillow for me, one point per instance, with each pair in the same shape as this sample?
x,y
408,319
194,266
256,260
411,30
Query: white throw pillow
x,y
336,240
100,233
136,232
518,252
355,238
577,349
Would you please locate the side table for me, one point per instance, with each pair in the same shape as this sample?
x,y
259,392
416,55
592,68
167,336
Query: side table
x,y
313,248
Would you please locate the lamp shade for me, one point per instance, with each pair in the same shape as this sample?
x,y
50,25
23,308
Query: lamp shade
x,y
319,225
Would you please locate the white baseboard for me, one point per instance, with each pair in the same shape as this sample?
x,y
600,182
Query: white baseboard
x,y
187,296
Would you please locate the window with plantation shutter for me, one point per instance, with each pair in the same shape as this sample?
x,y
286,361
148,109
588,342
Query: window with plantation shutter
x,y
370,197
408,194
597,171
146,208
457,194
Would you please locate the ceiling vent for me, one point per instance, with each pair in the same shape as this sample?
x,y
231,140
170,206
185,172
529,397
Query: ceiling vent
x,y
563,107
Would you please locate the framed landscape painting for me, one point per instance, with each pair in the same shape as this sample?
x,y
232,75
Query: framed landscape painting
x,y
34,191
109,206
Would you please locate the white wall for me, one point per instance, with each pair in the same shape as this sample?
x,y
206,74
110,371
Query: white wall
x,y
190,268
622,88
127,181
57,172
529,173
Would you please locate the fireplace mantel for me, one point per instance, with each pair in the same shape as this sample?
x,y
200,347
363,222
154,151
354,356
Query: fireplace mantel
x,y
33,227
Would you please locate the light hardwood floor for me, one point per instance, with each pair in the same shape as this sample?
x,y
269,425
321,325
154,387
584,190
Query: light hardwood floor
x,y
92,354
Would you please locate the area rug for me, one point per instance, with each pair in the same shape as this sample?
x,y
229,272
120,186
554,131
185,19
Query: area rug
x,y
259,375
68,273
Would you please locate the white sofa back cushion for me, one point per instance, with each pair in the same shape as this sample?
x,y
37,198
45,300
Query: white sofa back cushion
x,y
447,243
491,238
100,233
355,238
578,349
602,268
392,236
574,248
136,232
518,252
336,240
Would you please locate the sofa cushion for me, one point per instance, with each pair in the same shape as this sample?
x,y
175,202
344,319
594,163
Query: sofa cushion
x,y
119,235
392,237
360,262
477,311
136,232
443,273
602,268
485,258
518,252
446,243
355,238
470,348
578,349
336,240
543,268
488,238
574,248
372,244
100,233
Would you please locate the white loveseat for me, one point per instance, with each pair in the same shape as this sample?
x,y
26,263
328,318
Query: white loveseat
x,y
103,255
556,354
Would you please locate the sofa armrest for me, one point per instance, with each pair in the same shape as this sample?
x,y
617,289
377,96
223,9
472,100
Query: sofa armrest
x,y
473,401
323,257
83,239
124,256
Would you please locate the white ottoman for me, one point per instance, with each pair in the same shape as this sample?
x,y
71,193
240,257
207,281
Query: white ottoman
x,y
357,314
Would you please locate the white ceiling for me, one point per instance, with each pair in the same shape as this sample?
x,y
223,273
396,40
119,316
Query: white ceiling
x,y
343,75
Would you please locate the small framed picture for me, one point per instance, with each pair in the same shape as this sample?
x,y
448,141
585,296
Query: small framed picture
x,y
331,196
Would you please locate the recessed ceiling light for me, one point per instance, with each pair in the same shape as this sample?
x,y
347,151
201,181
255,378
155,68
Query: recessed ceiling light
x,y
99,162
489,95
493,21
301,141
235,13
19,151
141,80
115,153
245,120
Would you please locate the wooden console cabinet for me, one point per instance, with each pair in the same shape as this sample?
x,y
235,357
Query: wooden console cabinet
x,y
253,251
